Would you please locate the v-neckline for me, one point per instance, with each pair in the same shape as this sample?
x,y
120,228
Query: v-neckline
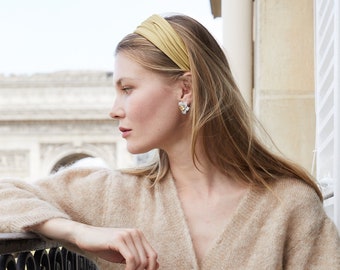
x,y
179,215
235,217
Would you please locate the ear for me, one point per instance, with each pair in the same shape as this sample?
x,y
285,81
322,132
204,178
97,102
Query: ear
x,y
186,87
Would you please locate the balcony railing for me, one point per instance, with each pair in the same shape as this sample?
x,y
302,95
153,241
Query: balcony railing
x,y
19,251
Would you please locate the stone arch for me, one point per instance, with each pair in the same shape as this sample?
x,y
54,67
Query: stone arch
x,y
69,160
60,155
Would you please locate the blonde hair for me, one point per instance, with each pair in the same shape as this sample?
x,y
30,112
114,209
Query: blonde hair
x,y
220,118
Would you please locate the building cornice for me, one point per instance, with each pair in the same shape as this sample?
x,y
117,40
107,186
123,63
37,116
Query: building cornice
x,y
57,79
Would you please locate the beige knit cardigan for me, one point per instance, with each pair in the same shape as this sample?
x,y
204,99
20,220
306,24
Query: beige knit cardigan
x,y
285,228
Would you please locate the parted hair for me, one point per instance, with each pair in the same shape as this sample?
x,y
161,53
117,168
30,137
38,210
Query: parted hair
x,y
220,118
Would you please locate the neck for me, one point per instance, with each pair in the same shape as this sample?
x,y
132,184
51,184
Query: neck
x,y
202,176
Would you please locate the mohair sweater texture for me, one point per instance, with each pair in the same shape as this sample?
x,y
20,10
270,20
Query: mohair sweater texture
x,y
285,228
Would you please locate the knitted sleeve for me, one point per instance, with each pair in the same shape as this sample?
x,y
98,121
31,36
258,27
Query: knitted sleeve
x,y
313,240
74,193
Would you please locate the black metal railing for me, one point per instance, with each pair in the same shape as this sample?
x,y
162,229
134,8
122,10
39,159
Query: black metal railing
x,y
20,251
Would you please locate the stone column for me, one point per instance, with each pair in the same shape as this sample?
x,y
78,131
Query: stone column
x,y
238,43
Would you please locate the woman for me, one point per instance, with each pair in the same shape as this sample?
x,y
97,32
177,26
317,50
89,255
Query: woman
x,y
214,198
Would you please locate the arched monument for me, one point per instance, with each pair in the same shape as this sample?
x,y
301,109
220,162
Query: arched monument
x,y
52,120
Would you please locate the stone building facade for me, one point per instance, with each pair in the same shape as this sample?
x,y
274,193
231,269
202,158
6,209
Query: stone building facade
x,y
52,120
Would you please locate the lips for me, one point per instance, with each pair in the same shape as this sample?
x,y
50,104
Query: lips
x,y
125,131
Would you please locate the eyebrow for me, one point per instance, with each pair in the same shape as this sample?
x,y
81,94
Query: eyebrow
x,y
119,81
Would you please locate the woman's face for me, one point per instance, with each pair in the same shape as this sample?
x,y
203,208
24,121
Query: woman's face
x,y
146,107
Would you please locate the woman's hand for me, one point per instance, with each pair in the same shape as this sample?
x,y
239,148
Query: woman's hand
x,y
118,245
127,246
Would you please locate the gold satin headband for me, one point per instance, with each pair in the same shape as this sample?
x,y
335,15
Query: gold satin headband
x,y
159,32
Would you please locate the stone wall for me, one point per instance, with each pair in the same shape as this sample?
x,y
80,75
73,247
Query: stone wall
x,y
284,75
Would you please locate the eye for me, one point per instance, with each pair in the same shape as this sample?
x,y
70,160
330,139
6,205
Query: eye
x,y
126,89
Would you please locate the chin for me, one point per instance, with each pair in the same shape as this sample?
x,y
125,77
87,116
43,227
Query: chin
x,y
138,150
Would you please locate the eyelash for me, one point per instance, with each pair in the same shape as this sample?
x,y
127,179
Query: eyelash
x,y
126,88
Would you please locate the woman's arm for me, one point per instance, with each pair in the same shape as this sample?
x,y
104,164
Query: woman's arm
x,y
61,195
320,249
54,207
118,245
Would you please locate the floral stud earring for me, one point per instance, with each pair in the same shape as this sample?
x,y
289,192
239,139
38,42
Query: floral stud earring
x,y
183,106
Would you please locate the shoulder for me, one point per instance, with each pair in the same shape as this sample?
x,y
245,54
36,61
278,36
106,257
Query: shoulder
x,y
294,190
293,207
305,222
90,177
73,174
286,198
298,200
122,183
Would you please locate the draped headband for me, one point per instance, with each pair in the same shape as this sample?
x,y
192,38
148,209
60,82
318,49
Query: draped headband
x,y
159,32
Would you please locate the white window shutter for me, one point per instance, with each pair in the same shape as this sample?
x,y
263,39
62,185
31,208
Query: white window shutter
x,y
327,102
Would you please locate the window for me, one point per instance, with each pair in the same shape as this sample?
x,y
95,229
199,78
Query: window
x,y
327,102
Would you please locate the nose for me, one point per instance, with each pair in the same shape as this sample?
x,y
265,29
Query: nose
x,y
117,110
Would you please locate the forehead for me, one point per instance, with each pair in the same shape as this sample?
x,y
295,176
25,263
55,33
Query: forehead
x,y
127,68
124,63
124,67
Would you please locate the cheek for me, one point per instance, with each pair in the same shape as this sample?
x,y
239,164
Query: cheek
x,y
159,105
140,110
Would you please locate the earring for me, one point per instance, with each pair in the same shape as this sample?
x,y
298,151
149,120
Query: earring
x,y
183,106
